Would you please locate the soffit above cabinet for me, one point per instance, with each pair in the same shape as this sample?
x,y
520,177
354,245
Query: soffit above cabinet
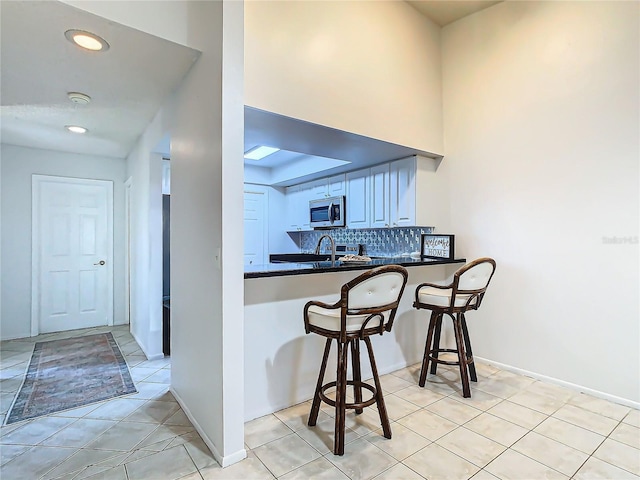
x,y
310,151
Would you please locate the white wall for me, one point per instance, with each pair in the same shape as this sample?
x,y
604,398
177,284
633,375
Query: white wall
x,y
371,68
541,109
278,240
206,211
145,170
206,223
432,194
0,246
18,165
257,175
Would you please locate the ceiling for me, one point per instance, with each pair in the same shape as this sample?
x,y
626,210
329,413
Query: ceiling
x,y
129,83
444,12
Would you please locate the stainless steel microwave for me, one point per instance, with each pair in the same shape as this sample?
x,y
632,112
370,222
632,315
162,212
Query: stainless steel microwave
x,y
327,212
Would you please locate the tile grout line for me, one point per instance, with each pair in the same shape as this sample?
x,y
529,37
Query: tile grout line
x,y
613,439
365,435
589,455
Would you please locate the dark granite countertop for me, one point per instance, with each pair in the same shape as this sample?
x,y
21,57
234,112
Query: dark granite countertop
x,y
285,269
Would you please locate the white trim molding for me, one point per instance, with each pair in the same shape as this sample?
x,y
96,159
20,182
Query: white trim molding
x,y
224,461
571,386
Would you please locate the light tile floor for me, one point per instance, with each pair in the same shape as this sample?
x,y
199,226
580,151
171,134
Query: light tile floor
x,y
513,427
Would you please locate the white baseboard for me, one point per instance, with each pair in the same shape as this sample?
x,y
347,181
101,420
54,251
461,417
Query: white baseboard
x,y
156,356
572,386
224,461
14,337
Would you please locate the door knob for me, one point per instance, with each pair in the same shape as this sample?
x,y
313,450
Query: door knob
x,y
101,262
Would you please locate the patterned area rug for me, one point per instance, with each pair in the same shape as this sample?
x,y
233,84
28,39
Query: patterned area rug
x,y
70,373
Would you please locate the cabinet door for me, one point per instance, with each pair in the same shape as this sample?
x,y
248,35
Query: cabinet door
x,y
306,193
318,189
336,186
358,198
256,227
292,196
402,174
380,196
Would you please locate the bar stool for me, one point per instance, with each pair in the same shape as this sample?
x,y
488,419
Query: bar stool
x,y
367,306
464,293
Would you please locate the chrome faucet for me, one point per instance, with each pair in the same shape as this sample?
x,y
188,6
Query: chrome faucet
x,y
333,246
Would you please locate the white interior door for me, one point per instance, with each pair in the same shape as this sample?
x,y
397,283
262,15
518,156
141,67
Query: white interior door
x,y
255,228
72,253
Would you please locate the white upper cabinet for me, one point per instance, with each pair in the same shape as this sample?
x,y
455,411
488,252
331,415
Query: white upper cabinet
x,y
292,194
299,196
327,187
307,192
318,189
383,196
297,202
336,185
380,196
358,193
402,174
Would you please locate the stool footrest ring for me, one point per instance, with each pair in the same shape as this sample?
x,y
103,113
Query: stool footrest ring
x,y
348,405
444,362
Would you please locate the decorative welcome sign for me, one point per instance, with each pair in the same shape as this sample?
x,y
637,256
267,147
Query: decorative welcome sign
x,y
437,246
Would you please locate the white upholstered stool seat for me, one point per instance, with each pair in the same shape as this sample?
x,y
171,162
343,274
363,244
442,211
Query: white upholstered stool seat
x,y
440,297
367,306
329,319
464,293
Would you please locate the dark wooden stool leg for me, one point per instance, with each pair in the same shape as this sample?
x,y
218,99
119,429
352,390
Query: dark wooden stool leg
x,y
427,347
462,359
467,343
382,409
341,397
357,374
436,344
315,406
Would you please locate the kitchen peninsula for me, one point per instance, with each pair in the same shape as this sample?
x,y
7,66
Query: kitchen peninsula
x,y
308,267
282,363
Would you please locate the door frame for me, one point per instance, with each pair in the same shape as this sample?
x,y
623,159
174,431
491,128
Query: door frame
x,y
127,250
36,183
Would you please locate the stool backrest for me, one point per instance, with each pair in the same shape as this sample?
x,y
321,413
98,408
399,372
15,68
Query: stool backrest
x,y
379,290
376,291
473,279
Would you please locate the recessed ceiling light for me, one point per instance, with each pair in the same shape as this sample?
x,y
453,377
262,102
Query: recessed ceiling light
x,y
76,128
259,152
79,98
87,40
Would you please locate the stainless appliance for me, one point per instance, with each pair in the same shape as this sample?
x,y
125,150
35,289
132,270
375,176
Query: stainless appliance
x,y
327,212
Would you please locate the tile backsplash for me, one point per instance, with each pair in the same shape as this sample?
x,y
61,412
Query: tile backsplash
x,y
379,241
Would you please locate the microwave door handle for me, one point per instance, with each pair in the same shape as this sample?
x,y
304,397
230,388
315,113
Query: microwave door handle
x,y
331,219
